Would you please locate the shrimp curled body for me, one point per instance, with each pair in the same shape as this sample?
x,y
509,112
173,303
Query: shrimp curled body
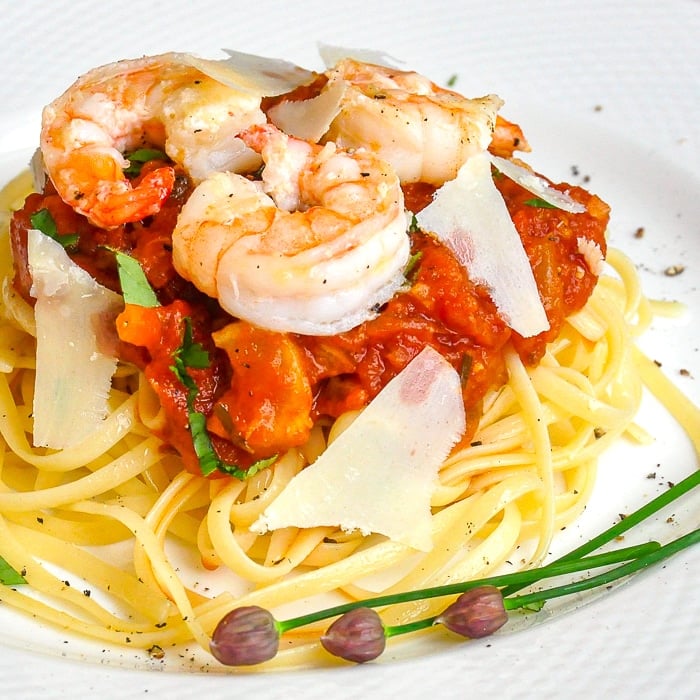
x,y
315,248
426,132
158,101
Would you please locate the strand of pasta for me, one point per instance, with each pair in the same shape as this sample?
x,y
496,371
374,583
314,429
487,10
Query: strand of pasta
x,y
121,469
17,352
171,633
42,581
80,531
164,571
113,429
535,419
678,404
633,296
158,519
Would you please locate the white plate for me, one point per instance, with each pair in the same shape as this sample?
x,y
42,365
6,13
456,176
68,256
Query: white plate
x,y
608,89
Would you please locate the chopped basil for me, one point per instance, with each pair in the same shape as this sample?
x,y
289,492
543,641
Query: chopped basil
x,y
412,266
138,158
193,355
208,459
135,287
189,355
9,576
540,203
244,474
465,369
43,221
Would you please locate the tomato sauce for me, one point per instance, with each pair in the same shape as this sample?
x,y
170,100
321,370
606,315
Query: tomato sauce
x,y
149,241
263,391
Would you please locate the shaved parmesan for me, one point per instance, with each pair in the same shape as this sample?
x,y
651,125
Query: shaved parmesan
x,y
378,476
76,344
469,215
247,72
309,119
537,185
331,54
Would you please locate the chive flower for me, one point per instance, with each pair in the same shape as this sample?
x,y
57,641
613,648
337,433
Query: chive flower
x,y
250,635
357,636
477,613
245,636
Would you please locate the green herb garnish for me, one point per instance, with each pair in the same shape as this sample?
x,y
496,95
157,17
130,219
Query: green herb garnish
x,y
465,369
135,287
9,576
244,474
256,638
540,203
138,158
412,266
191,355
42,221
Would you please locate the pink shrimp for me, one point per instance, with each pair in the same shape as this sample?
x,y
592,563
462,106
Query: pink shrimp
x,y
159,101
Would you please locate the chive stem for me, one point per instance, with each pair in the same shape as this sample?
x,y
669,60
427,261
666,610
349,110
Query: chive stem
x,y
579,559
525,578
650,555
639,515
620,562
608,576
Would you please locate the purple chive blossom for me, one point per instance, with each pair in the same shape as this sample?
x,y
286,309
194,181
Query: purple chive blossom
x,y
477,613
245,636
356,636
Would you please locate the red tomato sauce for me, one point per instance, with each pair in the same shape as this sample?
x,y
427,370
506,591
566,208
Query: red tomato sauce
x,y
263,391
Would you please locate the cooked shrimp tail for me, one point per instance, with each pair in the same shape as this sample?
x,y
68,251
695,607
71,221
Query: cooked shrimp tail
x,y
114,200
159,101
507,138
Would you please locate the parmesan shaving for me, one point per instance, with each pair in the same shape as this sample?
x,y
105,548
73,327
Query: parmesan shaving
x,y
309,119
76,344
378,476
247,72
537,185
469,215
330,55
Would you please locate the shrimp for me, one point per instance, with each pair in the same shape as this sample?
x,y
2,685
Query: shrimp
x,y
159,101
426,132
314,248
507,138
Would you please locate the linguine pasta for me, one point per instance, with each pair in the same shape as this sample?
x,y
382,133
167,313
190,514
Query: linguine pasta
x,y
527,473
